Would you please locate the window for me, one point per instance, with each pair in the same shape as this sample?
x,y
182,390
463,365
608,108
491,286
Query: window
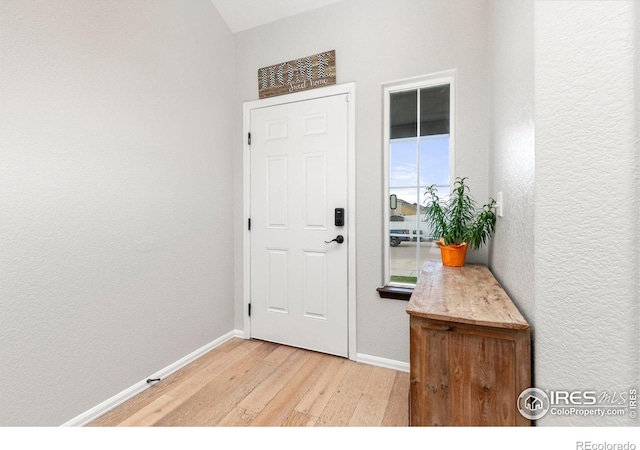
x,y
418,153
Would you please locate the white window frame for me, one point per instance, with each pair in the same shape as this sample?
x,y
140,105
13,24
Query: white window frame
x,y
433,80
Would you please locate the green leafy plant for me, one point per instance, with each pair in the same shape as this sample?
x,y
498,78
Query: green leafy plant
x,y
457,220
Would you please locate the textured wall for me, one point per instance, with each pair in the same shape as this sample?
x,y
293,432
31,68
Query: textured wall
x,y
585,234
636,65
512,149
376,42
114,158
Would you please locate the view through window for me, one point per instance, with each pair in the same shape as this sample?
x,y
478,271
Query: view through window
x,y
419,152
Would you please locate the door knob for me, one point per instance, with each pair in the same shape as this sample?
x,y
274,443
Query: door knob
x,y
339,239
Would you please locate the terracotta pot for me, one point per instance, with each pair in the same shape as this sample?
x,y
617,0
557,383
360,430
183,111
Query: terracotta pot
x,y
453,255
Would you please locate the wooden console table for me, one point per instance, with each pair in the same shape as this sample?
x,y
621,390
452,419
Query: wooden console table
x,y
469,349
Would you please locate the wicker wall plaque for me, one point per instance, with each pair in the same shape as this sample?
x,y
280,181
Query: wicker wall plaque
x,y
297,75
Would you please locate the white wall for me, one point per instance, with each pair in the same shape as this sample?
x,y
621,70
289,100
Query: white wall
x,y
586,200
576,279
115,165
512,154
637,180
376,42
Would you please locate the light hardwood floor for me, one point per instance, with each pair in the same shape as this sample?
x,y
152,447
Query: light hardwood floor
x,y
256,383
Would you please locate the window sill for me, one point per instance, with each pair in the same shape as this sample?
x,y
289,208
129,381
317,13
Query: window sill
x,y
395,292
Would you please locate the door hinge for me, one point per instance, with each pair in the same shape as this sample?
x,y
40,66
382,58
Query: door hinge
x,y
249,138
249,224
249,309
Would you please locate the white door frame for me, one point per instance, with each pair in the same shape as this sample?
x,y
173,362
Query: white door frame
x,y
350,90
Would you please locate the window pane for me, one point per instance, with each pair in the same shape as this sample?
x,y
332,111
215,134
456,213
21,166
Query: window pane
x,y
429,250
407,200
434,160
404,114
434,110
403,162
419,149
444,191
403,223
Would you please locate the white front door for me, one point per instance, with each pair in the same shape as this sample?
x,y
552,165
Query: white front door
x,y
299,273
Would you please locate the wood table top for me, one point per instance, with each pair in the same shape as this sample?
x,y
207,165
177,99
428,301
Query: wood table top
x,y
468,294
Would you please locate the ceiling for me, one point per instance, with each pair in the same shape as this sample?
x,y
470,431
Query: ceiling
x,y
242,15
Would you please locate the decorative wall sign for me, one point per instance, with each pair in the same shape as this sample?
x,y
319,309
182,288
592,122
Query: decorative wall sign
x,y
300,74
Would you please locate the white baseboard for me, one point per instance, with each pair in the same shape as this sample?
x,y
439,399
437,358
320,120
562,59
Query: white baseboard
x,y
137,388
140,386
382,362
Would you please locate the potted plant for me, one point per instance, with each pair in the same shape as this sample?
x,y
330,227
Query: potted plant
x,y
457,223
